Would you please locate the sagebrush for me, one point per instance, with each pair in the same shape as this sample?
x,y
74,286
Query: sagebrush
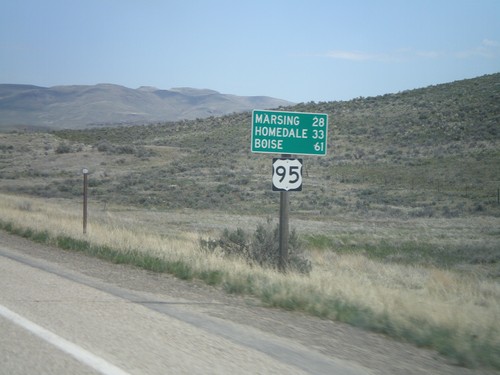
x,y
261,247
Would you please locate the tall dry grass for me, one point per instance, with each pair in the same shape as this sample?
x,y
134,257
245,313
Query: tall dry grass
x,y
457,314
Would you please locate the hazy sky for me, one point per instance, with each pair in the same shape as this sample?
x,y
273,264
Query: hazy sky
x,y
299,50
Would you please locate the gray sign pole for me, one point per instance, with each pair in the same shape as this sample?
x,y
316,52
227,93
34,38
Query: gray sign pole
x,y
284,231
85,188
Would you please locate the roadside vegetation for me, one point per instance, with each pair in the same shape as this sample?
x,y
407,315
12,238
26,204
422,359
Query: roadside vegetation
x,y
454,311
396,228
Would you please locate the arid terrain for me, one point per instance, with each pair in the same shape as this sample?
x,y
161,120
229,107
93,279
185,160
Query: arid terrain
x,y
397,227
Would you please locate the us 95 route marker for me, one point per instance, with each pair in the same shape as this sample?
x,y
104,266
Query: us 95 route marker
x,y
281,132
287,174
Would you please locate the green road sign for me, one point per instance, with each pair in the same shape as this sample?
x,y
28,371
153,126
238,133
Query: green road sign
x,y
279,132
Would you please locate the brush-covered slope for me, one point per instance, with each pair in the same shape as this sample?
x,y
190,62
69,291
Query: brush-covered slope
x,y
433,151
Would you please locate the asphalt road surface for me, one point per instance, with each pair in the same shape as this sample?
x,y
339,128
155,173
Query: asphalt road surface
x,y
66,313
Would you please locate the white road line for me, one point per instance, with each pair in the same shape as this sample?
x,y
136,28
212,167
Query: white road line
x,y
82,355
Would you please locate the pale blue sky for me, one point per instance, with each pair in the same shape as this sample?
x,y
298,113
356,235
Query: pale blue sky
x,y
299,50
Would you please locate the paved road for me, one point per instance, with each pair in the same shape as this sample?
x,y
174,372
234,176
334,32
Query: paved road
x,y
55,320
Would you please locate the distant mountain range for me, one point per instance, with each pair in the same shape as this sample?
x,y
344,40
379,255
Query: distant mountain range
x,y
71,107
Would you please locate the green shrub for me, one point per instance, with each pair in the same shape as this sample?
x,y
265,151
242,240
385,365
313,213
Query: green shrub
x,y
261,247
235,243
25,206
63,148
105,146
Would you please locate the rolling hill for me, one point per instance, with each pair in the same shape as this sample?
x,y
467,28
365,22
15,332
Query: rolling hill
x,y
72,107
433,151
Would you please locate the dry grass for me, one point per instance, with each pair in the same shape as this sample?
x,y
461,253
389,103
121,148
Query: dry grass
x,y
455,313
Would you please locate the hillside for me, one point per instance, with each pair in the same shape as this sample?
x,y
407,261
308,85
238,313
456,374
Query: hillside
x,y
73,107
431,152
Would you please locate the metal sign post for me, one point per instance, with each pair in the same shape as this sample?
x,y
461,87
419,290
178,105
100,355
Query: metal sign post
x,y
287,176
284,226
85,172
284,230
